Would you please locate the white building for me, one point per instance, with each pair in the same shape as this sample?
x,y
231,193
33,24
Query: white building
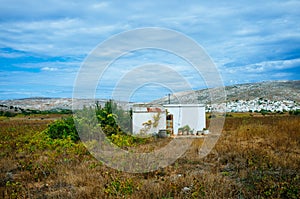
x,y
148,119
176,118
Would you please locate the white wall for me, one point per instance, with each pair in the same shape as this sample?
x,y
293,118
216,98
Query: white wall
x,y
140,116
187,114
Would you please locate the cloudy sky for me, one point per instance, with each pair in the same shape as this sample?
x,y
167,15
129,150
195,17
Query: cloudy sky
x,y
43,44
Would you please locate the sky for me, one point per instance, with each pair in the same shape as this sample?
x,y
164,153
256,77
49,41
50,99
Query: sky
x,y
44,44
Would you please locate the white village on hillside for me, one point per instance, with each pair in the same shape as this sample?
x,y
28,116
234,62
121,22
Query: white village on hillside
x,y
255,105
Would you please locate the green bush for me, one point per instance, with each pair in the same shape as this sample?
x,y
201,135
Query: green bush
x,y
7,114
123,140
294,112
120,188
62,129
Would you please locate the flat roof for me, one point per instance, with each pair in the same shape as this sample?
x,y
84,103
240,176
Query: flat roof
x,y
146,105
183,105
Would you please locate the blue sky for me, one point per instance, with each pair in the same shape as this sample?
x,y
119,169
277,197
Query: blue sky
x,y
43,43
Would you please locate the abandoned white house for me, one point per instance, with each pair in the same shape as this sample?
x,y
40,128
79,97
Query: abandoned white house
x,y
177,119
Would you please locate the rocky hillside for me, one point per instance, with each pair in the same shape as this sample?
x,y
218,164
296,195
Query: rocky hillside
x,y
273,90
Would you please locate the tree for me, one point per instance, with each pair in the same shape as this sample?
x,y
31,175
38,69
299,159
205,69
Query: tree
x,y
113,119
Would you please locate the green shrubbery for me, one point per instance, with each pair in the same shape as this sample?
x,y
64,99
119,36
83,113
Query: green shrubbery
x,y
123,140
63,128
44,112
113,121
7,114
120,188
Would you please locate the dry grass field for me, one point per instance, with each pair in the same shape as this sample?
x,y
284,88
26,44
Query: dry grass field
x,y
255,157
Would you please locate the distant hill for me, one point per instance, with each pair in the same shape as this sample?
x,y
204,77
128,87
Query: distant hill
x,y
271,90
274,91
50,104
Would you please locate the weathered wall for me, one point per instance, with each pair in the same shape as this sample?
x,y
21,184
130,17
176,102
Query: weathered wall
x,y
141,115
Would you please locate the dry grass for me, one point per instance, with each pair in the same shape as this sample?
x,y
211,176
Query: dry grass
x,y
256,157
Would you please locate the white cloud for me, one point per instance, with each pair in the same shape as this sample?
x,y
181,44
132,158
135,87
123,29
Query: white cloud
x,y
273,66
49,69
55,37
261,71
57,67
98,6
282,76
11,55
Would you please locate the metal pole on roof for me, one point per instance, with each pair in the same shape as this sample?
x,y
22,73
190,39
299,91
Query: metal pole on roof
x,y
169,98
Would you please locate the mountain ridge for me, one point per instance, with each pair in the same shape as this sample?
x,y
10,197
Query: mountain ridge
x,y
270,90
